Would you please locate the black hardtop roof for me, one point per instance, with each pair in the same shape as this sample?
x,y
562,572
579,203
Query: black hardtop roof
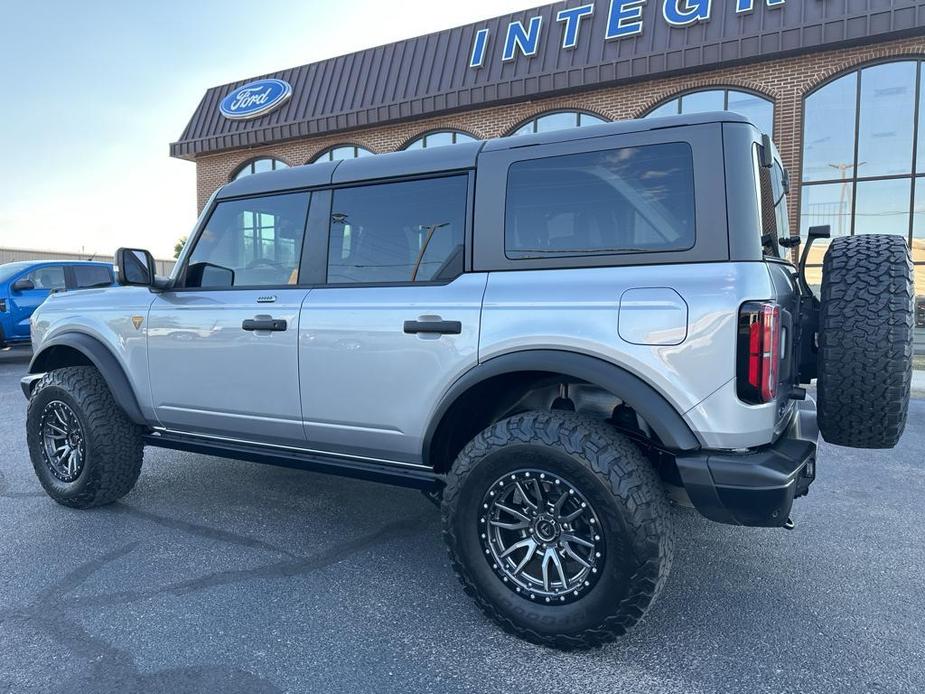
x,y
456,157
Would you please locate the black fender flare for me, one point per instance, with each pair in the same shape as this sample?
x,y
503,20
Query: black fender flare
x,y
661,415
105,362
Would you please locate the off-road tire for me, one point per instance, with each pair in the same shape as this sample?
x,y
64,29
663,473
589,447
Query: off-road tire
x,y
113,444
866,326
609,470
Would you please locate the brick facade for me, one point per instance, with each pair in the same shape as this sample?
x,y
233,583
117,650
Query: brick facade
x,y
784,81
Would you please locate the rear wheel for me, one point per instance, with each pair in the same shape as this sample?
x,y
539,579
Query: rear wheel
x,y
558,527
84,450
866,325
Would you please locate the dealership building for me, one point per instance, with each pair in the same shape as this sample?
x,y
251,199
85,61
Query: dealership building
x,y
840,85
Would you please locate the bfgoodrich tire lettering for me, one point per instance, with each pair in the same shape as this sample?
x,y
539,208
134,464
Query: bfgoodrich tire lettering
x,y
112,445
865,341
617,482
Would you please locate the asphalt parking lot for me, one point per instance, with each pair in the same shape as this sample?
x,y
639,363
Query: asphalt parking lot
x,y
215,575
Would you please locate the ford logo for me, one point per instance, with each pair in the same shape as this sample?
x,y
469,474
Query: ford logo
x,y
255,99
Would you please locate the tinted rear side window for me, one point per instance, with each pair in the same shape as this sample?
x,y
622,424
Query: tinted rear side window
x,y
629,200
410,231
87,276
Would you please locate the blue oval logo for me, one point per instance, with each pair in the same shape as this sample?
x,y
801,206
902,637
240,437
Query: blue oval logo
x,y
255,99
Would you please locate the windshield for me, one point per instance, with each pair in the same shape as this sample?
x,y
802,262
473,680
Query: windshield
x,y
11,269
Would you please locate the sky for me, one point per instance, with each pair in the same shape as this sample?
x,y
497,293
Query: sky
x,y
94,91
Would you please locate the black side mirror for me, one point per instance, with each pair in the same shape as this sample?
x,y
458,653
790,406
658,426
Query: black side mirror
x,y
135,267
23,285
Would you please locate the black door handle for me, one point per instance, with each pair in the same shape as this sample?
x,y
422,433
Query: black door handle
x,y
267,324
434,327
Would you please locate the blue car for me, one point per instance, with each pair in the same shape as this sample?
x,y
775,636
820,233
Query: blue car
x,y
25,285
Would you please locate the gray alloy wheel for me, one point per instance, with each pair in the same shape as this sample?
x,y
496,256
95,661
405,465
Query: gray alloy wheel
x,y
63,446
541,536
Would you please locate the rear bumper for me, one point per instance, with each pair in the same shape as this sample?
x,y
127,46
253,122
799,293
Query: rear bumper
x,y
755,488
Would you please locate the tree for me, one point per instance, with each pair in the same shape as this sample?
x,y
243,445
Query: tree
x,y
178,247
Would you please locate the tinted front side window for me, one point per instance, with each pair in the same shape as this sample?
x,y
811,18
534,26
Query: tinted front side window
x,y
92,276
48,277
630,200
250,243
398,232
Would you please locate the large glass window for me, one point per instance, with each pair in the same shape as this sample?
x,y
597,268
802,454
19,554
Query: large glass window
x,y
342,152
250,243
630,200
757,108
558,121
860,149
259,166
398,232
440,139
864,161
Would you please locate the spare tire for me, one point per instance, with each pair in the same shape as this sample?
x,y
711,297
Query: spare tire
x,y
865,341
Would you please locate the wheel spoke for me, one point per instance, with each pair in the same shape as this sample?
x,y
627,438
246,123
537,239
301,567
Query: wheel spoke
x,y
522,525
514,512
550,556
559,568
531,550
540,494
60,417
574,515
58,430
561,502
523,493
571,552
517,545
577,541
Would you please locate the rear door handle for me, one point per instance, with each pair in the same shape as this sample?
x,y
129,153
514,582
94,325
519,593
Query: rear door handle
x,y
265,324
433,327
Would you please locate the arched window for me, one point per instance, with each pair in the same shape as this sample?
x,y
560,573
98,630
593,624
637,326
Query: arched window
x,y
757,108
342,152
259,166
558,121
439,139
864,161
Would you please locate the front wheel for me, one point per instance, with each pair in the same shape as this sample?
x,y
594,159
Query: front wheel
x,y
84,450
559,528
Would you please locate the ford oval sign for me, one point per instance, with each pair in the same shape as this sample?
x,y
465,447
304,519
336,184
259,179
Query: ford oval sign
x,y
255,99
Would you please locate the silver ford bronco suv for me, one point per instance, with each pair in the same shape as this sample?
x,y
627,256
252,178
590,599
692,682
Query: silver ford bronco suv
x,y
555,336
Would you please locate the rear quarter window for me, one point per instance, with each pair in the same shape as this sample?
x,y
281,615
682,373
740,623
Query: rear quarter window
x,y
627,200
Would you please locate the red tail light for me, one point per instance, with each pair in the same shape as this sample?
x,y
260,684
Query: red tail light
x,y
758,352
